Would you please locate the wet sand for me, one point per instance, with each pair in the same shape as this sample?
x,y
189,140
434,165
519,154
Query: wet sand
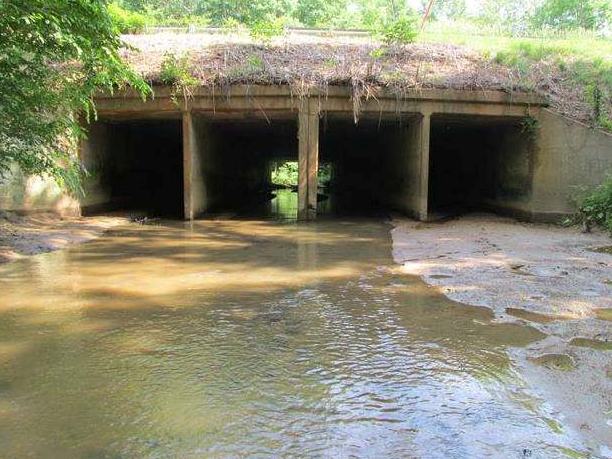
x,y
555,279
22,236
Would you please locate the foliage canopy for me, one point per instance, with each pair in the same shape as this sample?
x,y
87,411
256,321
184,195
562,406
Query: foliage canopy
x,y
515,16
54,55
572,14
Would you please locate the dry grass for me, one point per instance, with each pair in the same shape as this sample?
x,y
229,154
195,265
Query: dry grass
x,y
307,62
318,62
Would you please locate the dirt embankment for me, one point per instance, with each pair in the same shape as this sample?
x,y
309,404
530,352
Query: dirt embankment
x,y
21,236
547,277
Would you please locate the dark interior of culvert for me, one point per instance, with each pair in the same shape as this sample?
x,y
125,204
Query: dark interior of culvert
x,y
369,168
478,164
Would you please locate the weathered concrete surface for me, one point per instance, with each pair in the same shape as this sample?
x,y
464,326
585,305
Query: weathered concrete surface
x,y
31,194
308,159
526,176
201,149
568,155
94,154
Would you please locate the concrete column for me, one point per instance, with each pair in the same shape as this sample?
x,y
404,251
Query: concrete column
x,y
308,160
423,146
196,151
188,155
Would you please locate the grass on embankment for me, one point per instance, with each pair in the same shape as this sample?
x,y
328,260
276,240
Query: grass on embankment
x,y
573,68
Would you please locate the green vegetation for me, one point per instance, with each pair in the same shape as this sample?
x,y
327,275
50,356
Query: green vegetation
x,y
595,206
126,21
54,55
576,61
510,16
285,174
266,29
175,72
572,14
400,31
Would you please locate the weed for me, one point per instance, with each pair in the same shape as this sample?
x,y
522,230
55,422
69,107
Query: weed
x,y
175,72
595,206
530,126
402,30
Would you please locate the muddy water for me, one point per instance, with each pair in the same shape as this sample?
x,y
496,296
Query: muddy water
x,y
255,338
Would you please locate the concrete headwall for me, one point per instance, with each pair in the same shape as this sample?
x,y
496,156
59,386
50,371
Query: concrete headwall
x,y
568,155
28,194
532,175
95,152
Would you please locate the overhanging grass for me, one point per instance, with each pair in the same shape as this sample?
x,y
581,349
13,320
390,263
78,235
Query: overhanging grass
x,y
558,64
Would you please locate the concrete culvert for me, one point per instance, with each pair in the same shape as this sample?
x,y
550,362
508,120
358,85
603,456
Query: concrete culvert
x,y
234,160
479,164
135,166
374,167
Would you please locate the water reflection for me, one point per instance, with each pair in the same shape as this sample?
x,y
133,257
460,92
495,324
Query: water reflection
x,y
246,338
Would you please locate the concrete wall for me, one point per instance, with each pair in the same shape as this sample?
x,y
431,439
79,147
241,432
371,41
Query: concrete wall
x,y
202,165
567,155
412,143
29,194
510,170
95,153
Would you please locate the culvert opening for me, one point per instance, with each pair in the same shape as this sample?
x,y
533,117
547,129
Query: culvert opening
x,y
479,164
366,168
135,166
240,159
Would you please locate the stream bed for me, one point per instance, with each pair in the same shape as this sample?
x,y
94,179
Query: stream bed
x,y
236,338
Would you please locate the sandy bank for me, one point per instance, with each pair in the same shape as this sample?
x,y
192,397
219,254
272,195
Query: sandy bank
x,y
21,236
499,263
544,276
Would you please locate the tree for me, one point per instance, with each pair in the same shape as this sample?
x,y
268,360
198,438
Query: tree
x,y
54,56
377,14
315,13
507,15
450,9
573,14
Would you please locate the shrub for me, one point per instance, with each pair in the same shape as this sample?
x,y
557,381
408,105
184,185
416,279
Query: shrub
x,y
400,31
157,19
126,21
266,29
595,206
175,72
232,26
